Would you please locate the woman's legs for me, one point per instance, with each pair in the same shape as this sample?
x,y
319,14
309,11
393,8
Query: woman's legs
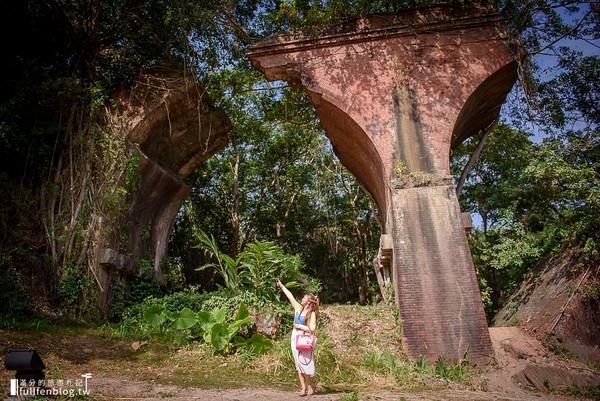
x,y
307,387
310,387
302,384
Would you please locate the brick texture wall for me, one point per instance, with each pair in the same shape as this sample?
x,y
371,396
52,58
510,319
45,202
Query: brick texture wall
x,y
436,287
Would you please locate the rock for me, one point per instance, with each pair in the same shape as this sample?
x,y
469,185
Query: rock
x,y
265,324
523,347
550,378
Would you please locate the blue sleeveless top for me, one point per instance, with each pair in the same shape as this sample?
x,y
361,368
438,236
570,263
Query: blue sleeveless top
x,y
298,319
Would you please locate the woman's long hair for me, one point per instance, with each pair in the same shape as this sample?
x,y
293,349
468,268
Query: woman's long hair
x,y
313,305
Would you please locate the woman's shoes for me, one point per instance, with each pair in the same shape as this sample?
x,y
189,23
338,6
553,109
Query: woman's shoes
x,y
308,391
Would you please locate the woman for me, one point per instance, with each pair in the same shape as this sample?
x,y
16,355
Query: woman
x,y
305,320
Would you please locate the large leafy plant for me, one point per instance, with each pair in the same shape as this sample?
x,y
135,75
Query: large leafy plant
x,y
256,268
214,328
226,266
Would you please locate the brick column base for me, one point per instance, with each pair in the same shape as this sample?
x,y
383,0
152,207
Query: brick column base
x,y
436,285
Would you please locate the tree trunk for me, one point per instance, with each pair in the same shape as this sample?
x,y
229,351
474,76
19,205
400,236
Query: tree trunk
x,y
235,212
474,157
361,242
363,264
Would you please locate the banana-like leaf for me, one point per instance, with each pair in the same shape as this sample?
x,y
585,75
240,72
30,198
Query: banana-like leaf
x,y
218,315
242,312
186,319
218,339
155,315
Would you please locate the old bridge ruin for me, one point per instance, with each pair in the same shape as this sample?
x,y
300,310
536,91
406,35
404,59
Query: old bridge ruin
x,y
174,128
395,94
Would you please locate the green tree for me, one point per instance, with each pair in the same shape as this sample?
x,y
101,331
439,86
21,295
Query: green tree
x,y
65,60
532,199
270,183
494,180
565,182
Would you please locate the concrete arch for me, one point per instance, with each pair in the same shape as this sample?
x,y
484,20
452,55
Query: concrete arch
x,y
352,146
483,105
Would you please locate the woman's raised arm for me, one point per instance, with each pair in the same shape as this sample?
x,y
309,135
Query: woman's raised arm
x,y
289,295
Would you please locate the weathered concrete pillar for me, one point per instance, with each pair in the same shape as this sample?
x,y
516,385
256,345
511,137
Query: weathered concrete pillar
x,y
437,293
169,118
394,94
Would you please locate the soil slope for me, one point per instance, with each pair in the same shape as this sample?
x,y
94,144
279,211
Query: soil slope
x,y
560,305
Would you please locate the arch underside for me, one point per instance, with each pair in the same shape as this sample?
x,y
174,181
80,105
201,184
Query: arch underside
x,y
482,107
354,149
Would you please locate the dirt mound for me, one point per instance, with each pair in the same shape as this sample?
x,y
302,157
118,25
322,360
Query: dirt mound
x,y
524,365
560,304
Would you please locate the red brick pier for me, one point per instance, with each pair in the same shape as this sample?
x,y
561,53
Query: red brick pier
x,y
395,93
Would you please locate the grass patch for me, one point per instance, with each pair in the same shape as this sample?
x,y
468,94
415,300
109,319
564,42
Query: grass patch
x,y
591,393
47,325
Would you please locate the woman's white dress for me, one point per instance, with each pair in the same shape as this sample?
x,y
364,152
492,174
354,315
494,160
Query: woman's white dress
x,y
305,360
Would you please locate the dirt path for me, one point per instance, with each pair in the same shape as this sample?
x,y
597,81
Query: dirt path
x,y
127,389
